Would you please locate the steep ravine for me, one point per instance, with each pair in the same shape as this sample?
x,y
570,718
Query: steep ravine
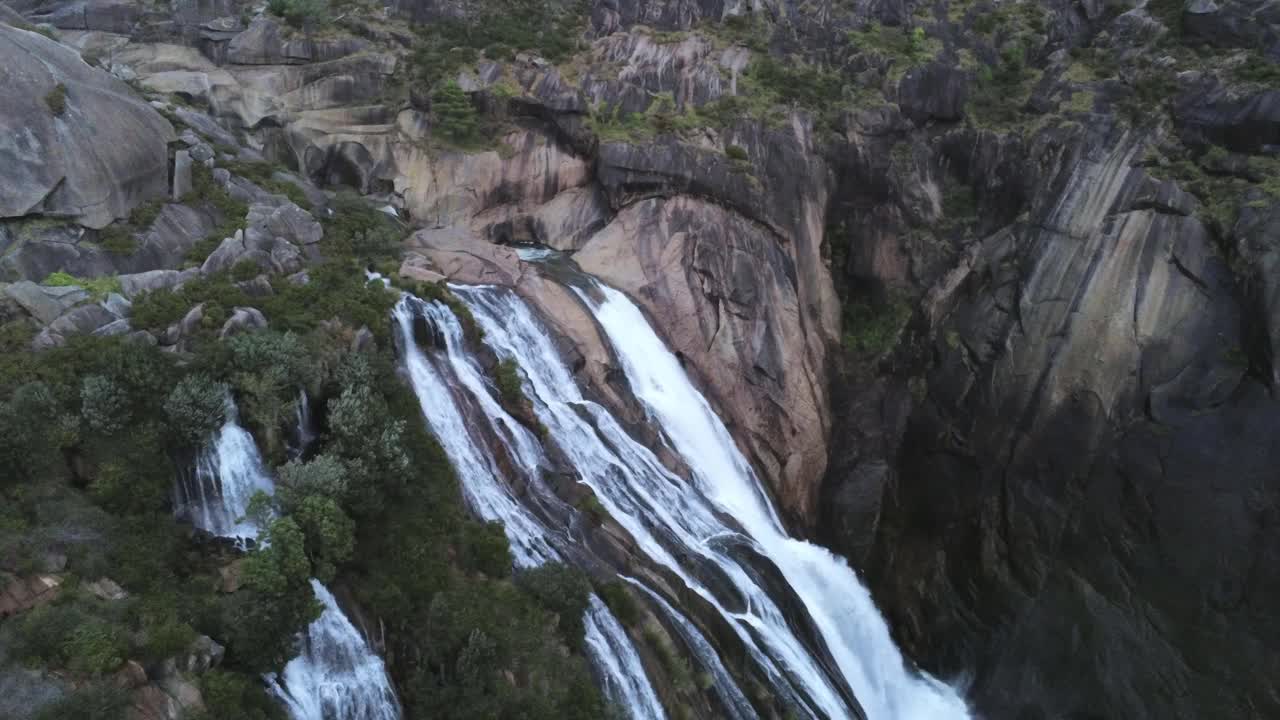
x,y
983,294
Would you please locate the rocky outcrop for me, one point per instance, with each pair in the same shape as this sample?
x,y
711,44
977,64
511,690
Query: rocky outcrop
x,y
19,594
78,144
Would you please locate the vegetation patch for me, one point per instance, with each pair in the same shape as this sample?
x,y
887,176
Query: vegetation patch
x,y
873,329
98,287
56,99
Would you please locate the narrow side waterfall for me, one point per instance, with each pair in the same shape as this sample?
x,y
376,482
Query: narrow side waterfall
x,y
735,703
336,677
445,383
611,650
841,608
228,473
304,431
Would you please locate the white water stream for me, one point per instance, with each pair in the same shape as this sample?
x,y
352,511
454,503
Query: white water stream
x,y
668,517
228,473
850,624
442,383
336,677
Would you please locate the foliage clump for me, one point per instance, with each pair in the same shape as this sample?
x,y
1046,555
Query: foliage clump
x,y
56,100
98,287
197,407
300,13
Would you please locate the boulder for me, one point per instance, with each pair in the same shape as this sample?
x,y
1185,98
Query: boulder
x,y
243,319
417,267
94,157
106,589
286,222
45,303
133,285
19,594
83,320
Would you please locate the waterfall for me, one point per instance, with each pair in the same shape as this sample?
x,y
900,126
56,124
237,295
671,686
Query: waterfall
x,y
722,518
228,472
337,676
611,650
660,510
447,382
304,432
850,625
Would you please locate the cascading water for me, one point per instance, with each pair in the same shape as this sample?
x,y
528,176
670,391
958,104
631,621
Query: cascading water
x,y
336,677
660,510
444,383
663,512
228,473
841,608
304,432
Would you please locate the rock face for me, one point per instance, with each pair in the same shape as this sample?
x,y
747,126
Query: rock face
x,y
1084,472
724,292
93,155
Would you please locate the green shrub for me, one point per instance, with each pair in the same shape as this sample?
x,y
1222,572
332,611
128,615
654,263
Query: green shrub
x,y
96,647
158,309
98,287
737,153
118,239
231,212
619,600
245,269
144,214
56,99
300,13
233,696
329,534
201,250
873,329
104,405
487,549
280,564
507,377
196,407
361,231
168,638
562,590
456,118
591,506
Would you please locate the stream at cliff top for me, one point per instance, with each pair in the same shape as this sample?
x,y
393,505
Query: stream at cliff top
x,y
336,676
847,652
453,395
